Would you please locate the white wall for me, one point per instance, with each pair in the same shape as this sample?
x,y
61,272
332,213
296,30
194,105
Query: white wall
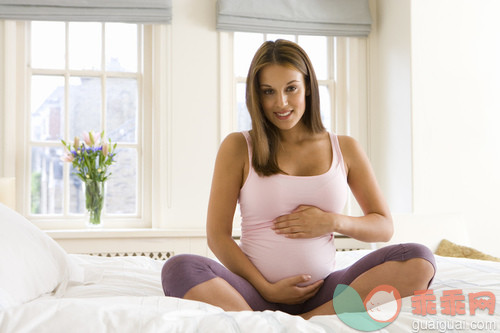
x,y
455,109
390,101
195,111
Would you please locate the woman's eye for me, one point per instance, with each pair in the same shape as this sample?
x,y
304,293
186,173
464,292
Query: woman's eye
x,y
291,88
267,91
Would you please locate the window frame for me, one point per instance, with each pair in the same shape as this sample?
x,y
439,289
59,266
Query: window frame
x,y
156,113
102,75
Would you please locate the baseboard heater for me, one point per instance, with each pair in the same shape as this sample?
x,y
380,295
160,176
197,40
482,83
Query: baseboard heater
x,y
157,255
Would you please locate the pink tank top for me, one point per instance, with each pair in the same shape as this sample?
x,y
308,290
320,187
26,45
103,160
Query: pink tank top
x,y
262,199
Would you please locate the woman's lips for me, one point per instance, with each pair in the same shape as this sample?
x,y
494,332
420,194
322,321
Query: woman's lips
x,y
283,115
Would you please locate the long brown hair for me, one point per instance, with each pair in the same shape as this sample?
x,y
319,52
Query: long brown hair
x,y
265,136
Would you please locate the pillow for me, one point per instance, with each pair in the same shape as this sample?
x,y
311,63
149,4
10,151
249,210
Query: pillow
x,y
31,263
449,249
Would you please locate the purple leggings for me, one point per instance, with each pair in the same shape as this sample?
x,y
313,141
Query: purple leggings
x,y
182,272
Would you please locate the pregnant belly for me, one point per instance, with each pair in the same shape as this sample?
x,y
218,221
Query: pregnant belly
x,y
278,257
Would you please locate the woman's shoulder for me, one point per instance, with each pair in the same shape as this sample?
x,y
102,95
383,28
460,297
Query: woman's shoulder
x,y
232,157
346,141
235,141
234,146
351,149
348,144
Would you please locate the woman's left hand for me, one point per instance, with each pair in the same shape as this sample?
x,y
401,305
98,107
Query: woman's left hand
x,y
304,222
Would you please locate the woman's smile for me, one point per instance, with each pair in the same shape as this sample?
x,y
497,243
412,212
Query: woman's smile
x,y
283,115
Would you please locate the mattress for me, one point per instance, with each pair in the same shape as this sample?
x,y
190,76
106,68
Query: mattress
x,y
124,294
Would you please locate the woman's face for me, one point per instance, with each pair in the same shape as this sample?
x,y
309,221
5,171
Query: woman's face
x,y
282,94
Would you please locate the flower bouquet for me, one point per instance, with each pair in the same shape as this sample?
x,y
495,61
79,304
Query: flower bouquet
x,y
91,159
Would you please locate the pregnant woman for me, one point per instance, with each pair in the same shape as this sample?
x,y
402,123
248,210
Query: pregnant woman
x,y
291,178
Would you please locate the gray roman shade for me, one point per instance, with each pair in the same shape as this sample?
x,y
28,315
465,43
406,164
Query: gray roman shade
x,y
128,11
304,17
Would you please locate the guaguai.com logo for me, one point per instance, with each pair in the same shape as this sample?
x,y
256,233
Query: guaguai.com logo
x,y
381,307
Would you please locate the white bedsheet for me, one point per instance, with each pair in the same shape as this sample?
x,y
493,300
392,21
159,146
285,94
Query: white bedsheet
x,y
124,294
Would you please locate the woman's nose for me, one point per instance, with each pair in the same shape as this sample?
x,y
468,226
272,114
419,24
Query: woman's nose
x,y
282,99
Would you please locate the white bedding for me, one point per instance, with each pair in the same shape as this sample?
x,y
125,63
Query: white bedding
x,y
124,294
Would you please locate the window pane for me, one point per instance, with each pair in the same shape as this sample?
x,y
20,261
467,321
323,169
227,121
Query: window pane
x,y
47,45
46,180
76,193
121,47
245,46
325,102
85,45
47,107
244,120
316,49
84,105
121,116
121,186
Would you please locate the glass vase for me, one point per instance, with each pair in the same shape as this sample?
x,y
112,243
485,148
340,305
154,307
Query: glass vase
x,y
94,198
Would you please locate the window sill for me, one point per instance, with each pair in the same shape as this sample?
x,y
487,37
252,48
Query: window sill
x,y
124,233
128,241
99,233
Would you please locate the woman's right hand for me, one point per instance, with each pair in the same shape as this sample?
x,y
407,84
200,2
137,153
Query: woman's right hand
x,y
288,291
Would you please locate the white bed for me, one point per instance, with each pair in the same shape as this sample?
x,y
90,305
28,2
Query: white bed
x,y
46,290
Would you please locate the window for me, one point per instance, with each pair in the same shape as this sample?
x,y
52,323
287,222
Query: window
x,y
63,94
319,50
83,76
